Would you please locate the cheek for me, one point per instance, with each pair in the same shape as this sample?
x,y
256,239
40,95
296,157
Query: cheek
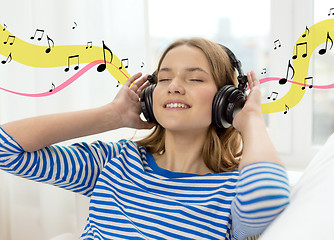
x,y
155,99
206,97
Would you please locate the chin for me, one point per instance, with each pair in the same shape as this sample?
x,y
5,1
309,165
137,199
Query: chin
x,y
184,127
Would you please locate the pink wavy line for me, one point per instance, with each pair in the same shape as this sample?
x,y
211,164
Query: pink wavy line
x,y
92,64
64,84
263,80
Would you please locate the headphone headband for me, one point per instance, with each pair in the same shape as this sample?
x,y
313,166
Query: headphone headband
x,y
242,78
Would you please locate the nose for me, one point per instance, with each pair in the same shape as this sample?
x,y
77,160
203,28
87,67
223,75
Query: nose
x,y
176,87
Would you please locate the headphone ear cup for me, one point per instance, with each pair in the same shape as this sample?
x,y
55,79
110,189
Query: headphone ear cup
x,y
219,106
228,101
236,101
146,103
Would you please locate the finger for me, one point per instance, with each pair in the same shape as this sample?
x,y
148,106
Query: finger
x,y
142,87
132,79
137,84
250,81
255,79
141,81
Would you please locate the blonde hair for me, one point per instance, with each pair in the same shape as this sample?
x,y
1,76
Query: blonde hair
x,y
222,147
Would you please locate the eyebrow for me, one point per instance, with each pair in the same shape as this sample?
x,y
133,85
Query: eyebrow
x,y
191,69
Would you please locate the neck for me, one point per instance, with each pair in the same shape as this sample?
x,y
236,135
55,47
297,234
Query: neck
x,y
183,153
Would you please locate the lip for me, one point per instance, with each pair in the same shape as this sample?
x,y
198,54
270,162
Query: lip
x,y
176,101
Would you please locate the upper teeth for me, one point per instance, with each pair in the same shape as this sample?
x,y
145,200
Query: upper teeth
x,y
176,105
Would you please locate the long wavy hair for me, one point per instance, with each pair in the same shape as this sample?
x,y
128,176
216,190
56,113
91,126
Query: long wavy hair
x,y
222,148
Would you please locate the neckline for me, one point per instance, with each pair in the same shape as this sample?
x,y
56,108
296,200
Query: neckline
x,y
167,173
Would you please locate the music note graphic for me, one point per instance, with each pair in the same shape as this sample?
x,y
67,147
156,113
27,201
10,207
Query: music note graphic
x,y
53,44
126,65
304,55
10,37
277,42
69,60
264,71
9,58
286,109
142,64
307,31
103,66
4,27
271,95
331,11
323,50
75,25
305,82
41,32
284,80
52,88
89,44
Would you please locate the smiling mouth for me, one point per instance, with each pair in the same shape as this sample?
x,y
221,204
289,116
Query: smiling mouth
x,y
177,105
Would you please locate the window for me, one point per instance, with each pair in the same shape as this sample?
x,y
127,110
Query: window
x,y
222,21
323,99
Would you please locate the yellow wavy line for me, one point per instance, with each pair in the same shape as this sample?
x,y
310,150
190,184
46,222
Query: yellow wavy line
x,y
317,36
35,56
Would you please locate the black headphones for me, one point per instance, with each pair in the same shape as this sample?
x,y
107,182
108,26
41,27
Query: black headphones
x,y
227,102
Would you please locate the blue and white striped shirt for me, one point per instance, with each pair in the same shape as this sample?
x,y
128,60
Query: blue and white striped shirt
x,y
133,198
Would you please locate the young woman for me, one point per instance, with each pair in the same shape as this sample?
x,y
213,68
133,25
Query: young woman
x,y
187,180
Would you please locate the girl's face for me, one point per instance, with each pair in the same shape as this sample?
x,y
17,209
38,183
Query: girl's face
x,y
182,99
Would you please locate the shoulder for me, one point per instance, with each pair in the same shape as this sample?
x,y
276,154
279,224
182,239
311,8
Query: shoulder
x,y
128,151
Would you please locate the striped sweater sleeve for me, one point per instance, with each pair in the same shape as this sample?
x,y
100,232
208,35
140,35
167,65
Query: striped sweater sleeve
x,y
75,168
262,193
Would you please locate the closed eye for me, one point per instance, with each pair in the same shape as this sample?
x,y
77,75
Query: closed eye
x,y
163,79
196,80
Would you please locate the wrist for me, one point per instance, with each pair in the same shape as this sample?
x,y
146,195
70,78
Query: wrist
x,y
253,123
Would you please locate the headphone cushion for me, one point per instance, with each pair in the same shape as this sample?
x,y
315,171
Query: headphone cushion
x,y
219,106
236,101
146,103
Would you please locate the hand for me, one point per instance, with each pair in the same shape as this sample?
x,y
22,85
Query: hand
x,y
251,112
127,104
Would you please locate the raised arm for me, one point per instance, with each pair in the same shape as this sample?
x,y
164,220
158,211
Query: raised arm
x,y
38,132
262,191
257,146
